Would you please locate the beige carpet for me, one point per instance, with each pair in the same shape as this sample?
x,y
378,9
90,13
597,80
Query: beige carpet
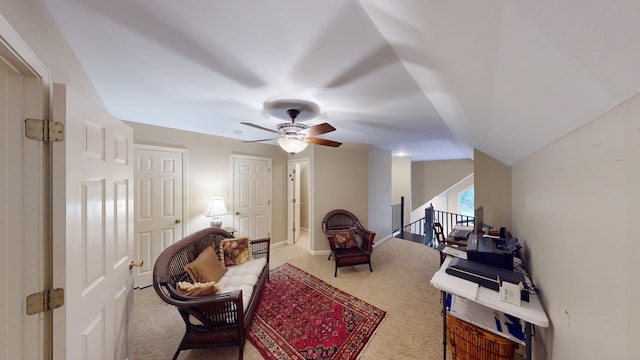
x,y
399,284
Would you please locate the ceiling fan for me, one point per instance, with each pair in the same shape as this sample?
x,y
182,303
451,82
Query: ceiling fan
x,y
294,137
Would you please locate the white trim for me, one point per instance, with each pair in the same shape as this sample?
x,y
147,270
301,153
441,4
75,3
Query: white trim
x,y
378,242
320,252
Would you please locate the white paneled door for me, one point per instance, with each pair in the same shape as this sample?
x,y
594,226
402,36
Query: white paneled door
x,y
251,196
99,229
159,191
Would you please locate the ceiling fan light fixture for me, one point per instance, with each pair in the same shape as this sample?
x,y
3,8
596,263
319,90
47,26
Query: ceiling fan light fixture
x,y
292,145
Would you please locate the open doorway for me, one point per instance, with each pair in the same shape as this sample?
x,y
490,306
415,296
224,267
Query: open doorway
x,y
298,200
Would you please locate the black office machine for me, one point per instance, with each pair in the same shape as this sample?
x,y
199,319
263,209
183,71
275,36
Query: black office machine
x,y
483,249
487,275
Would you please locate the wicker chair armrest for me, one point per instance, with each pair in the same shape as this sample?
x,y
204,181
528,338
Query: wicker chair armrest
x,y
260,248
366,235
332,243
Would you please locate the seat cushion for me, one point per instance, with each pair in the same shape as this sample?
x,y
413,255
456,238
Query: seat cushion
x,y
243,277
352,251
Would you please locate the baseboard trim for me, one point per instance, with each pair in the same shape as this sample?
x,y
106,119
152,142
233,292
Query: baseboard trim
x,y
377,243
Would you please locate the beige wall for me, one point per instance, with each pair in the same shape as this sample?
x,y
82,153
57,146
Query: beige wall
x,y
430,178
209,171
575,207
340,181
401,184
492,181
379,217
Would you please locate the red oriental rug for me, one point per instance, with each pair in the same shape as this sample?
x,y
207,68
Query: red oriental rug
x,y
302,317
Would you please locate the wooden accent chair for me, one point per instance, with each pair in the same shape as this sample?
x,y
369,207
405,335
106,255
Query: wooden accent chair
x,y
338,225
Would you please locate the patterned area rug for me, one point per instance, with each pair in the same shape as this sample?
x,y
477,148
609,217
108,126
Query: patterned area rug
x,y
302,317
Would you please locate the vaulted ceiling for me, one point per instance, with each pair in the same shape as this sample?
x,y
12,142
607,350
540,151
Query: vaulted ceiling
x,y
430,79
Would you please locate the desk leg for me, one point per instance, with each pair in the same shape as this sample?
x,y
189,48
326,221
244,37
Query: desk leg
x,y
527,334
444,324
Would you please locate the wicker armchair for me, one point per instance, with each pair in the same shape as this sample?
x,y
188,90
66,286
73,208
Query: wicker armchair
x,y
211,321
341,219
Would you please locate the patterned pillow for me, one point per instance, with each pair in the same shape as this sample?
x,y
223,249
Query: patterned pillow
x,y
197,289
345,238
235,251
206,267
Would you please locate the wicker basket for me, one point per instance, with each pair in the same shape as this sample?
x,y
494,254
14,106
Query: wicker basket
x,y
469,342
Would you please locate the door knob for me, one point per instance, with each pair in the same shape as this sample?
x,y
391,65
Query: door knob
x,y
136,264
177,221
237,212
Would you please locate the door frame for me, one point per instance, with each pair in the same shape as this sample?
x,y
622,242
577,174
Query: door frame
x,y
18,54
291,163
185,198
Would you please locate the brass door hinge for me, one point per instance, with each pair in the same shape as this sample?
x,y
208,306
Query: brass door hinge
x,y
44,301
44,130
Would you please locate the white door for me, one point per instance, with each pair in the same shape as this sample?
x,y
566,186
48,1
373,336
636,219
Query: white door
x,y
99,229
24,214
158,205
251,196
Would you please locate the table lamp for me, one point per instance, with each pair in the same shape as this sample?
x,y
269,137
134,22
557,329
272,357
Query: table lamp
x,y
216,209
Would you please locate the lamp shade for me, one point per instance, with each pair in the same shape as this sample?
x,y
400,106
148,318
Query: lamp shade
x,y
292,145
216,209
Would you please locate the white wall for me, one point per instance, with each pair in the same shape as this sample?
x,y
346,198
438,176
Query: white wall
x,y
32,20
576,204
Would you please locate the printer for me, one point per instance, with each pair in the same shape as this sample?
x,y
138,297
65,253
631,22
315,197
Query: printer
x,y
483,249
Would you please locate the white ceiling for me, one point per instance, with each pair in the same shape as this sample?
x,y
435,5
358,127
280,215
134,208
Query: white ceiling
x,y
432,79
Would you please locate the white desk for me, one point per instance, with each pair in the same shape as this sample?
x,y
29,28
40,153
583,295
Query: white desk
x,y
531,312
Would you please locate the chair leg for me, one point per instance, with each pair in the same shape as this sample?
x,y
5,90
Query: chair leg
x,y
175,356
370,269
335,273
240,351
329,258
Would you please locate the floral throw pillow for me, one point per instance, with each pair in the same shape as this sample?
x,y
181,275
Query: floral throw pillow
x,y
235,251
197,289
345,238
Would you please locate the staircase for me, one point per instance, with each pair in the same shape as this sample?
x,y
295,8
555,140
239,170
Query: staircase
x,y
420,231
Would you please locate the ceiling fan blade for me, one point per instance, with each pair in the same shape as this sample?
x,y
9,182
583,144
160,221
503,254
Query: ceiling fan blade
x,y
317,130
324,142
252,141
259,127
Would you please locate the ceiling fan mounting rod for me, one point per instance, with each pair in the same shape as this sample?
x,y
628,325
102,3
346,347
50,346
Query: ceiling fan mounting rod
x,y
293,114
